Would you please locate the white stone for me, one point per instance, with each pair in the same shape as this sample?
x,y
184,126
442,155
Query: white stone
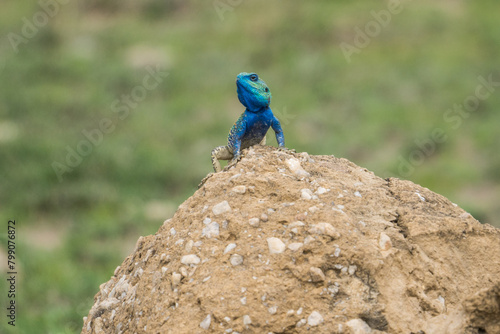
x,y
276,246
352,270
221,208
301,323
295,167
239,189
358,326
306,194
255,222
207,221
299,311
296,224
337,252
205,324
243,301
247,320
273,309
190,259
422,198
321,191
326,229
211,230
295,246
264,217
229,248
236,259
384,242
172,231
314,319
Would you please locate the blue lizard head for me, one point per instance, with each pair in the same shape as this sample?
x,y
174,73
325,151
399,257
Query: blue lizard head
x,y
253,93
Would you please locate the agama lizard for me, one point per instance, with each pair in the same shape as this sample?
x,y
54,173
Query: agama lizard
x,y
252,126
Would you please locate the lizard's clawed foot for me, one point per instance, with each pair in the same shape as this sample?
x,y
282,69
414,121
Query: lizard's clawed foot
x,y
205,180
286,150
234,161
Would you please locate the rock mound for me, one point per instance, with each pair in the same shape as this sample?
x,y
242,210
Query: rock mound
x,y
290,243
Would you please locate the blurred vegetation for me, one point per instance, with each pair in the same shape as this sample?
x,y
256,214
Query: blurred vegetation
x,y
68,76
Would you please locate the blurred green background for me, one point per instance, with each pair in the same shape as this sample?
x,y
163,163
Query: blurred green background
x,y
87,61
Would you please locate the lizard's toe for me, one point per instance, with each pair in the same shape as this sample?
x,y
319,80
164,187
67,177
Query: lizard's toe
x,y
286,150
205,179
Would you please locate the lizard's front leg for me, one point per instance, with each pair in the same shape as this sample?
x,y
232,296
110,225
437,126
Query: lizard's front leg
x,y
220,153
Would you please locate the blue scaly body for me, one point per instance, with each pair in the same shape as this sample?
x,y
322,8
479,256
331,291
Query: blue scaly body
x,y
252,126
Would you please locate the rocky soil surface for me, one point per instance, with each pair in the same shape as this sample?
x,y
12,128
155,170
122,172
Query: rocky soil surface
x,y
286,242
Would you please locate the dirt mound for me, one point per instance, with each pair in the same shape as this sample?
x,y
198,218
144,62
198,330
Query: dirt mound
x,y
290,243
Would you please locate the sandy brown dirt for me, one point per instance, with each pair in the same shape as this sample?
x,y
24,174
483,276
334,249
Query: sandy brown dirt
x,y
290,243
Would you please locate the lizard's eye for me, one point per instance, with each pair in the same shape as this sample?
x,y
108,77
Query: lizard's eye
x,y
254,77
266,90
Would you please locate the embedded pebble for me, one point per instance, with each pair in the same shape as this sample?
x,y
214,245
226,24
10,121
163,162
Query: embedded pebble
x,y
314,319
247,320
422,198
189,246
243,301
313,209
296,224
236,259
306,194
352,269
273,309
295,167
205,324
358,326
172,231
190,259
264,217
308,239
276,246
221,208
239,189
176,279
337,252
326,229
321,191
385,242
317,274
301,323
229,248
255,222
333,289
211,230
295,246
357,194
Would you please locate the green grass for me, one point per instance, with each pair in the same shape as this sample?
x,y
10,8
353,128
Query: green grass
x,y
371,111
